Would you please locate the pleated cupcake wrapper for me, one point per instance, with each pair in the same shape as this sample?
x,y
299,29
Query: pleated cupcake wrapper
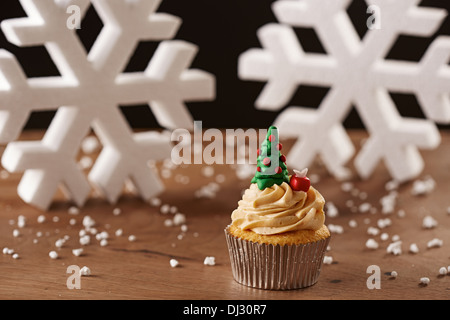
x,y
275,267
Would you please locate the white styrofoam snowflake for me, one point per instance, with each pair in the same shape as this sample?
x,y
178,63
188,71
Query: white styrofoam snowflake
x,y
87,96
358,74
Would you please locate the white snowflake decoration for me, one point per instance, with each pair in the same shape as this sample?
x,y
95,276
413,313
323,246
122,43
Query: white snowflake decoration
x,y
87,95
357,73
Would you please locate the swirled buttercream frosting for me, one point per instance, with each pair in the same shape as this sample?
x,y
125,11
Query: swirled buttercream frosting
x,y
279,209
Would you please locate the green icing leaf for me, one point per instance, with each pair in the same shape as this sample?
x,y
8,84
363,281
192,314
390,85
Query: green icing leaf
x,y
276,171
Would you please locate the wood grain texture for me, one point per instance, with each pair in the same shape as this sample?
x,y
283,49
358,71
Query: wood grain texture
x,y
141,269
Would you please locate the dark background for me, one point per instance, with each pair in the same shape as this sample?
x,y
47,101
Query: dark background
x,y
223,30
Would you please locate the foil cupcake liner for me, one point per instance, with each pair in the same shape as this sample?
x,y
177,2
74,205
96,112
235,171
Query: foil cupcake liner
x,y
275,267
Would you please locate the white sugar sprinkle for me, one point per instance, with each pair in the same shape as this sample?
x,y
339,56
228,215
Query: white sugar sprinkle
x,y
173,263
41,219
15,256
85,240
429,222
209,261
327,260
435,243
443,271
425,280
85,271
373,231
413,248
395,248
331,210
53,255
394,274
132,238
371,244
77,252
422,187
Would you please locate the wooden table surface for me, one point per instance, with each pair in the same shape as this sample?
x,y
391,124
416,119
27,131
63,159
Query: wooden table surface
x,y
141,269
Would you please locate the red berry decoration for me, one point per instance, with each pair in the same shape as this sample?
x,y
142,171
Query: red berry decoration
x,y
258,169
278,170
258,152
266,162
271,138
283,158
299,181
279,147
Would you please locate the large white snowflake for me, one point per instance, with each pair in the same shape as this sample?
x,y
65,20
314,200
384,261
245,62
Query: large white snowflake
x,y
357,73
87,95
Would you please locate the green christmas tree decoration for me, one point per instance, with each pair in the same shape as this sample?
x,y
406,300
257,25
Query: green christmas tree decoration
x,y
271,164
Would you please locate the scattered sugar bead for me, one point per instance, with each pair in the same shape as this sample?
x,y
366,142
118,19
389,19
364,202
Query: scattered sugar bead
x,y
371,244
383,223
173,209
77,252
132,238
401,213
422,187
88,222
443,271
59,243
103,242
179,219
21,221
85,240
331,210
391,185
395,248
10,251
220,178
155,202
73,221
184,228
352,223
165,209
346,186
429,222
55,219
208,171
425,280
41,219
336,228
85,271
119,232
168,223
117,211
16,233
384,236
395,237
364,207
74,211
209,261
435,243
373,231
394,274
53,254
15,256
174,263
327,260
5,250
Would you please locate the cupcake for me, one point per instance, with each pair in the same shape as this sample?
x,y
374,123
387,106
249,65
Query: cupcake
x,y
277,237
